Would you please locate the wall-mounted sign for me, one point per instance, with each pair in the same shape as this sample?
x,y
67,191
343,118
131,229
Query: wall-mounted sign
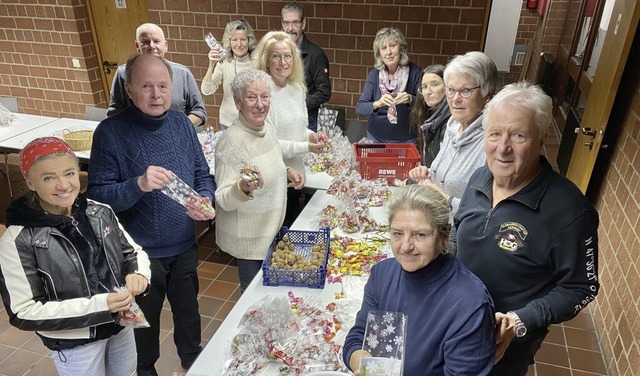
x,y
121,4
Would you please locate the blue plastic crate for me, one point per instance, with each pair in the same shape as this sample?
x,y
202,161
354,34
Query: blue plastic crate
x,y
303,241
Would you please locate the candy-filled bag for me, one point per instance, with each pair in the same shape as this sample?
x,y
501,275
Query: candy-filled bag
x,y
213,43
133,317
182,193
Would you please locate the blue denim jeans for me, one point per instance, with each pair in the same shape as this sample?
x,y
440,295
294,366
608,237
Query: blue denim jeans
x,y
115,356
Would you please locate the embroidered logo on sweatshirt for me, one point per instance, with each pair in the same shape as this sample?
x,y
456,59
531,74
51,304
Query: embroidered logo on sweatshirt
x,y
511,236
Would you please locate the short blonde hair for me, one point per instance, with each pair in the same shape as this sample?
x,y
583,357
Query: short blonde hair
x,y
262,54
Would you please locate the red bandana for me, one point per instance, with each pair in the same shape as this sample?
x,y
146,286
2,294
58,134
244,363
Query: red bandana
x,y
39,148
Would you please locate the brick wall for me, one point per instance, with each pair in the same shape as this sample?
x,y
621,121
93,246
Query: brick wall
x,y
527,27
435,31
37,41
617,307
35,65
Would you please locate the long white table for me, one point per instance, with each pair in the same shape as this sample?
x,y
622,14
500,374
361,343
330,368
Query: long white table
x,y
52,128
23,123
212,358
316,180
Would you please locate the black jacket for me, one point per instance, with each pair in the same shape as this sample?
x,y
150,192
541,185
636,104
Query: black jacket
x,y
43,282
433,133
316,76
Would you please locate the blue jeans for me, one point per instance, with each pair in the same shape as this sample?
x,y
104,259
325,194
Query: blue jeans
x,y
247,270
115,356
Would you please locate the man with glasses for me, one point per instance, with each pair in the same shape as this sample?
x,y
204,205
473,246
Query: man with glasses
x,y
316,64
185,97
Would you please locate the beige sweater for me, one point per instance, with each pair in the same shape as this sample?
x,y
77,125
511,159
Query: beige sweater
x,y
223,74
246,225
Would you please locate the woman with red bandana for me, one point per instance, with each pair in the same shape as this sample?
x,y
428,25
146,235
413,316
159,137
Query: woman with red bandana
x,y
62,258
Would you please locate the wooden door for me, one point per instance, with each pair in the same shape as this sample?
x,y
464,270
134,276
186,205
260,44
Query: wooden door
x,y
113,24
613,58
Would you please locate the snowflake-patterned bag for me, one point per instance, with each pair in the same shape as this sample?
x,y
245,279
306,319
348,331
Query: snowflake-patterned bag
x,y
384,339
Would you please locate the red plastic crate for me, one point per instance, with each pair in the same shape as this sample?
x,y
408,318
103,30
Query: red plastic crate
x,y
390,161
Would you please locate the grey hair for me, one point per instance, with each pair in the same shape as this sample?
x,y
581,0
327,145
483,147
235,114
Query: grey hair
x,y
293,7
228,33
395,35
148,27
128,69
527,96
246,77
475,65
426,200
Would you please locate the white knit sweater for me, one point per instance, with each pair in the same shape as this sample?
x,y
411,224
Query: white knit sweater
x,y
223,74
288,114
246,225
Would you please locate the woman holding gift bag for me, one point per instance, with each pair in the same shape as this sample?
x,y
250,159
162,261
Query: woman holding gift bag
x,y
390,89
62,257
238,41
450,315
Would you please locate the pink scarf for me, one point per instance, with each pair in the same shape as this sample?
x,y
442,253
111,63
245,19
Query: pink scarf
x,y
393,85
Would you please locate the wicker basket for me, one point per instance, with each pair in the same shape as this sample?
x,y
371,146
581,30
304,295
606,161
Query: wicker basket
x,y
78,140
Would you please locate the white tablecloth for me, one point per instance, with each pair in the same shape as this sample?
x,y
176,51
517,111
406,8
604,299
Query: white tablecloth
x,y
52,128
23,123
212,357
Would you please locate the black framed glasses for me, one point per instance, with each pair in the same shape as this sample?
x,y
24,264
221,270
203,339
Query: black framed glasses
x,y
295,23
465,92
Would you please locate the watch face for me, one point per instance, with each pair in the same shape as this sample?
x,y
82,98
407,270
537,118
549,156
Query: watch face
x,y
520,332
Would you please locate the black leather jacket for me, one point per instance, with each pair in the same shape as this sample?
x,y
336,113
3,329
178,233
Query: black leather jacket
x,y
43,283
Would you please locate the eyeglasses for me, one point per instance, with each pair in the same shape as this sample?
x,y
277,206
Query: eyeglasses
x,y
432,85
276,58
295,23
252,100
465,92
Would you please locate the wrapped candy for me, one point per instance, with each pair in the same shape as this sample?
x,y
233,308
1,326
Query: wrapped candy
x,y
348,256
238,160
296,331
182,193
133,317
6,117
251,175
208,140
214,44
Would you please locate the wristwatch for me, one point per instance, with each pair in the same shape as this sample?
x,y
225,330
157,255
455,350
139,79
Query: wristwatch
x,y
521,330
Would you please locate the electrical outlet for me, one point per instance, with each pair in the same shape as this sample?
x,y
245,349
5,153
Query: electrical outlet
x,y
75,62
519,60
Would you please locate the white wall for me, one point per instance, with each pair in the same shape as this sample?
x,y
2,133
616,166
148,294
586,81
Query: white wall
x,y
502,30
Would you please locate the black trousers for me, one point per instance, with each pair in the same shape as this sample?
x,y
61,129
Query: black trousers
x,y
177,279
518,357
